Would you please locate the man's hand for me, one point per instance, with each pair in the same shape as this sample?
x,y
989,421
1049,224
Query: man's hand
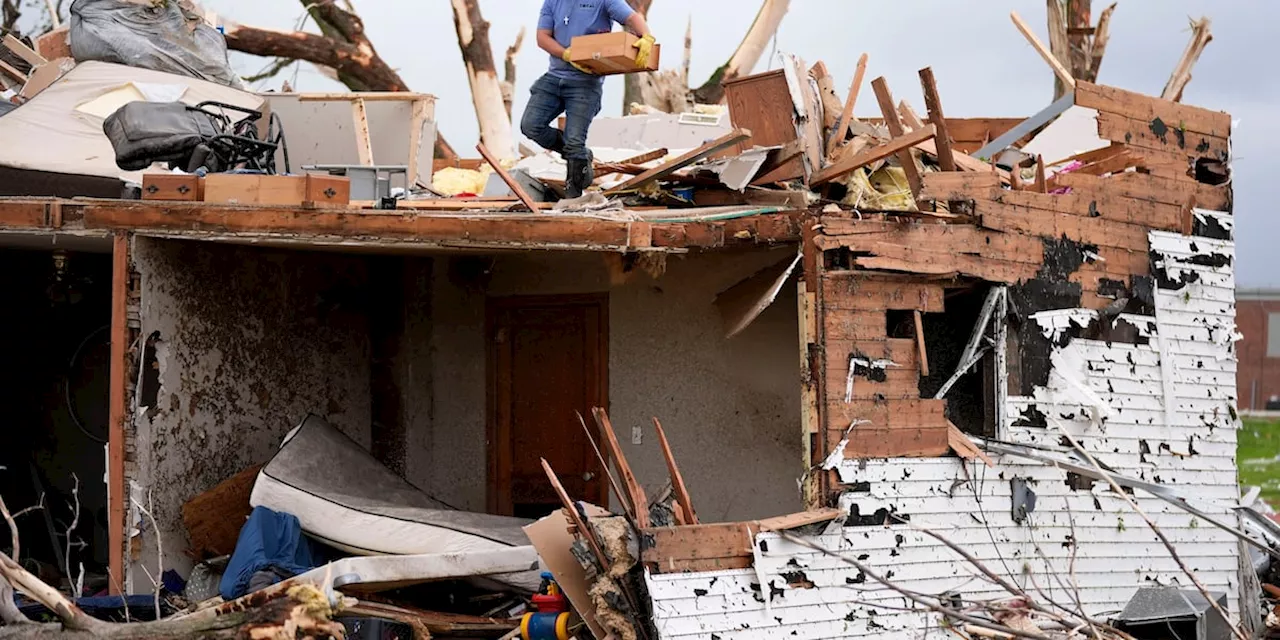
x,y
644,48
566,57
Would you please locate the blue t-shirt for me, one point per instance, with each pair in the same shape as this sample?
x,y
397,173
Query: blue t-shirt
x,y
567,19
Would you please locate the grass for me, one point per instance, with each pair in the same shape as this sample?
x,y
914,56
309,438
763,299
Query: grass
x,y
1258,454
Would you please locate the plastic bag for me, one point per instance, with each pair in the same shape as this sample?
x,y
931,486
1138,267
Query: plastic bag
x,y
163,35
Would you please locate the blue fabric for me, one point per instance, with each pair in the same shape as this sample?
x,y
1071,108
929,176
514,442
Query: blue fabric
x,y
567,19
578,98
268,540
109,608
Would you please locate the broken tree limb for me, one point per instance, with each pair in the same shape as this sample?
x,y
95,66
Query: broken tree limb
x,y
1101,36
1200,38
748,53
1058,69
873,154
486,90
677,481
891,120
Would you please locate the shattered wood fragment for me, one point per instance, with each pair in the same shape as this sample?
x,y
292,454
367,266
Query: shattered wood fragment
x,y
897,145
909,116
846,117
684,502
1115,163
964,447
674,549
908,161
671,166
650,156
1200,38
944,152
796,520
1042,185
827,93
1160,135
579,522
1058,69
635,497
922,352
506,177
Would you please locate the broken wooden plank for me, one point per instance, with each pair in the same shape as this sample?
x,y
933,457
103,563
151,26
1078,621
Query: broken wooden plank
x,y
1048,224
831,108
685,508
648,156
636,497
796,520
23,51
964,447
896,145
846,117
13,73
579,523
891,120
506,177
933,105
1042,185
671,166
956,186
922,356
696,542
1160,135
909,116
857,291
1145,108
809,106
1053,62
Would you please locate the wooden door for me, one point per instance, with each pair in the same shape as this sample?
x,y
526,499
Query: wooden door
x,y
548,361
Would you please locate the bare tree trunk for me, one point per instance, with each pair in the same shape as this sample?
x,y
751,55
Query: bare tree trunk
x,y
486,91
509,73
1075,42
633,82
749,52
344,47
1200,38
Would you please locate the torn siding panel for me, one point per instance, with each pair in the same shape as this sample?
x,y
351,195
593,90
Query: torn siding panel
x,y
1162,411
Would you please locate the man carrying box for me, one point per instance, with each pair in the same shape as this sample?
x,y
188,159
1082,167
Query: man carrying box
x,y
571,89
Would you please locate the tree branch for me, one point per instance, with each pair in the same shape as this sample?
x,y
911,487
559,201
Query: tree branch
x,y
749,51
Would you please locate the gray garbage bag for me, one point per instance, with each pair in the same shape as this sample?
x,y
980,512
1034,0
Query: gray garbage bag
x,y
163,35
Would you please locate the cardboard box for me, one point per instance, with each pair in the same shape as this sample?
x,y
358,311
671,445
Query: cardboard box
x,y
328,191
609,54
172,186
235,188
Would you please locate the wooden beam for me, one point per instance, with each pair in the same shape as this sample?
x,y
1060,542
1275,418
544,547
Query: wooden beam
x,y
846,117
909,116
891,120
924,358
873,154
795,520
933,104
367,96
1058,69
632,486
685,510
23,51
116,402
671,166
506,177
571,510
13,73
364,144
650,156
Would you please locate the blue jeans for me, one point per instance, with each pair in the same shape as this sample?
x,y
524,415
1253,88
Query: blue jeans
x,y
578,99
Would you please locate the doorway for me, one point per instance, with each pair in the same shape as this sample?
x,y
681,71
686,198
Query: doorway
x,y
548,362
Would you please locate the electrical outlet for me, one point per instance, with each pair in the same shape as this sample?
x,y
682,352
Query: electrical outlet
x,y
637,436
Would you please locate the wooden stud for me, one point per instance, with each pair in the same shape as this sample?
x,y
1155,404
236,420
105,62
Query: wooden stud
x,y
942,142
579,523
638,500
924,358
896,145
1059,70
656,154
685,508
671,166
23,51
891,120
13,73
364,145
506,177
1042,186
116,402
846,118
417,122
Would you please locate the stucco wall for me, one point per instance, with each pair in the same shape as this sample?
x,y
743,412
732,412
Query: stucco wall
x,y
250,342
730,407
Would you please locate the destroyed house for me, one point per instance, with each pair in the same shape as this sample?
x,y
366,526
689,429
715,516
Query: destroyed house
x,y
962,396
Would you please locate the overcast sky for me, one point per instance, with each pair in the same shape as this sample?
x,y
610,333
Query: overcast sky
x,y
983,65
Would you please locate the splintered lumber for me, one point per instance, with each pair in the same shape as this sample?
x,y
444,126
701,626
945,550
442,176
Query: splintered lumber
x,y
924,358
831,108
958,186
873,154
506,177
933,104
671,166
846,118
639,503
1200,38
1058,69
649,156
23,51
1042,186
685,508
964,447
13,73
908,162
909,116
579,522
796,520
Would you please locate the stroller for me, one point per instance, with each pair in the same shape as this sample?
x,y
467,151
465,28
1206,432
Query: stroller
x,y
191,138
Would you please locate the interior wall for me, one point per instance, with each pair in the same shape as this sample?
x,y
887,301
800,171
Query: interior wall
x,y
731,408
248,342
53,387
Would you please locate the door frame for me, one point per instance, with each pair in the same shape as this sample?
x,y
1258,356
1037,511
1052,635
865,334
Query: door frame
x,y
497,435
